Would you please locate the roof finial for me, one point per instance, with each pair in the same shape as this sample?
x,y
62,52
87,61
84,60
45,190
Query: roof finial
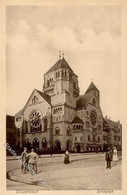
x,y
62,55
59,54
91,80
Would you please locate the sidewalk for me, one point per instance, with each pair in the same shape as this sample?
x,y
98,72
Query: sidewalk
x,y
54,155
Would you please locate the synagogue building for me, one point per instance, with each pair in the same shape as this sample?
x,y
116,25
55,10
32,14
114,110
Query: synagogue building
x,y
58,117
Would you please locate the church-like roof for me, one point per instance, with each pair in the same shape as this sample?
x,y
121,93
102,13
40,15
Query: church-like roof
x,y
45,96
92,87
61,63
83,100
77,120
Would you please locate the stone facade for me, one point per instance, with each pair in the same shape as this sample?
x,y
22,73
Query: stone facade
x,y
113,133
58,117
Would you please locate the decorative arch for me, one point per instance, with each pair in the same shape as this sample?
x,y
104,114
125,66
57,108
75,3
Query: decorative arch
x,y
35,143
68,144
27,144
57,145
44,144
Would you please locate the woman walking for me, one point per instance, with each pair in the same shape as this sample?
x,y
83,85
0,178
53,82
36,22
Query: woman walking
x,y
66,158
115,156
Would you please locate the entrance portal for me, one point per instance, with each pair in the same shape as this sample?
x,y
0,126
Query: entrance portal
x,y
78,148
58,146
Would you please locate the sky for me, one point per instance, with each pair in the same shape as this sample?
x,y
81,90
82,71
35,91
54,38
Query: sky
x,y
90,38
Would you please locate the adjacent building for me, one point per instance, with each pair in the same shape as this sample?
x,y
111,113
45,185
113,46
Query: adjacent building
x,y
12,135
113,133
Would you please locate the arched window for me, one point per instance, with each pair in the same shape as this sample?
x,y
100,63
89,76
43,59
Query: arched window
x,y
65,73
57,131
36,121
98,139
27,144
36,143
45,124
35,100
44,144
94,102
94,138
75,138
68,131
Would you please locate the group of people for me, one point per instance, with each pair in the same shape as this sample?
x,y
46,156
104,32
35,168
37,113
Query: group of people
x,y
111,155
29,159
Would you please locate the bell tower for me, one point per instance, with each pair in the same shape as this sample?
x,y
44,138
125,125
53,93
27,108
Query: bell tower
x,y
61,83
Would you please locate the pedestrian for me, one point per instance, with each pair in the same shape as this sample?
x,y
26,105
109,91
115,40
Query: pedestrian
x,y
24,160
115,156
33,159
108,158
66,158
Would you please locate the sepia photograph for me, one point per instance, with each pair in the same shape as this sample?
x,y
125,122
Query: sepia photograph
x,y
64,97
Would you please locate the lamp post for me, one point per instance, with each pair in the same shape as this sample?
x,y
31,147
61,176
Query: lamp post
x,y
20,136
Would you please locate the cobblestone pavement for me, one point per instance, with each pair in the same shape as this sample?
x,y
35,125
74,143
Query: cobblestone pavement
x,y
85,172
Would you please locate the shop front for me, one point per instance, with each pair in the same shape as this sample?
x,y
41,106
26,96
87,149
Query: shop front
x,y
94,147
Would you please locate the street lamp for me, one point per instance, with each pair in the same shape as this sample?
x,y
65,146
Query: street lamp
x,y
20,136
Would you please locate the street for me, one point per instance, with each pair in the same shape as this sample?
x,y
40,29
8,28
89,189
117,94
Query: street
x,y
86,171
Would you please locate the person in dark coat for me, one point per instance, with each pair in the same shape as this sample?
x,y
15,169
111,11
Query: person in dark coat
x,y
66,158
108,158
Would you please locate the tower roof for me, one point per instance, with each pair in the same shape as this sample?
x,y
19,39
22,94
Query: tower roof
x,y
84,99
92,87
61,63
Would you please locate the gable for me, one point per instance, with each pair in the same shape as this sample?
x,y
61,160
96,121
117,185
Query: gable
x,y
35,98
38,97
92,106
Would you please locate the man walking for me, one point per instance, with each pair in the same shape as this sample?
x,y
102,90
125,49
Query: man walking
x,y
33,158
24,160
108,158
